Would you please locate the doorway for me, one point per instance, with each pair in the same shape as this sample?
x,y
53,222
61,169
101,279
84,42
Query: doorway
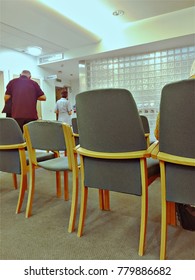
x,y
59,91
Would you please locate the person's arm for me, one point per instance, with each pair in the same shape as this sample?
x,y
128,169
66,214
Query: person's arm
x,y
42,97
57,114
69,108
7,97
156,131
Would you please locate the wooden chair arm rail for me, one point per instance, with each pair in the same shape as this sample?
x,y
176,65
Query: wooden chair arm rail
x,y
75,134
155,149
152,147
124,155
176,159
147,135
13,146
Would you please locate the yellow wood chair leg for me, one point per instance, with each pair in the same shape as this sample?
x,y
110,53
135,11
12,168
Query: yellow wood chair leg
x,y
58,184
106,195
74,205
164,205
144,207
66,191
104,200
163,232
83,207
101,199
30,192
15,183
171,214
143,225
23,187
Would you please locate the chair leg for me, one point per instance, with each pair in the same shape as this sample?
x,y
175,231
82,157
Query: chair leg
x,y
163,213
14,177
58,184
30,192
144,207
23,187
66,191
171,214
83,208
106,195
104,200
74,204
163,232
101,199
143,225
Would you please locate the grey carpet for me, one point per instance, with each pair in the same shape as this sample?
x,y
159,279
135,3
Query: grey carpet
x,y
108,235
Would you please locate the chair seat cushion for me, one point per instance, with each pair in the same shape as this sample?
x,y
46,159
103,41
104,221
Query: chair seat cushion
x,y
41,156
55,164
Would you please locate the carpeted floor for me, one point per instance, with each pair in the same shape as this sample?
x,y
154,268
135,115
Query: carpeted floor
x,y
108,235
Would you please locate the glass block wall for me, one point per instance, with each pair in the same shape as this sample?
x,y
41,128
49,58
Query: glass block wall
x,y
143,75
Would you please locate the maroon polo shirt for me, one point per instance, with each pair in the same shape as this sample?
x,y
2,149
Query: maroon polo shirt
x,y
24,93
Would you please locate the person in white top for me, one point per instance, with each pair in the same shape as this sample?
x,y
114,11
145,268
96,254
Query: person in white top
x,y
63,108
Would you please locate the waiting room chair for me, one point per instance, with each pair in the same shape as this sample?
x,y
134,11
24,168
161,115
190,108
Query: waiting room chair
x,y
113,150
176,149
49,136
12,155
16,161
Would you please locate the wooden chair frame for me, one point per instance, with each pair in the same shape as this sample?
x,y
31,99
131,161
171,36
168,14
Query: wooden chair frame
x,y
72,166
142,155
167,208
24,170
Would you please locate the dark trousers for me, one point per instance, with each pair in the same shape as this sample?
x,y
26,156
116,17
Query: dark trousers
x,y
22,122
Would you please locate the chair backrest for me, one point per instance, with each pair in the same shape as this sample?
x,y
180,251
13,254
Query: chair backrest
x,y
10,134
46,135
177,119
74,125
108,121
145,123
177,130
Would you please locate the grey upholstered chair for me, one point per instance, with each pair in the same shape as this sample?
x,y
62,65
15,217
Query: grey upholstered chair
x,y
50,136
12,154
176,150
14,157
113,149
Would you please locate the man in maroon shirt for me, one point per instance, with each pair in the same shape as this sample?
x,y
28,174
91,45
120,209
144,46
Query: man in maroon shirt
x,y
24,94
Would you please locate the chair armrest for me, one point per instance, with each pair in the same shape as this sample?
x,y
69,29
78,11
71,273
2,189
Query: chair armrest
x,y
13,146
154,149
176,159
156,154
75,134
103,155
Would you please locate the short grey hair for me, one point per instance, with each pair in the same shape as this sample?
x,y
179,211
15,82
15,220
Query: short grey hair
x,y
26,73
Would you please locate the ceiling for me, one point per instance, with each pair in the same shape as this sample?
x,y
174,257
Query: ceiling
x,y
73,25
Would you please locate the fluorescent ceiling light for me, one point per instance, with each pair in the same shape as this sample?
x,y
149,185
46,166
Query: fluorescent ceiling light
x,y
34,50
